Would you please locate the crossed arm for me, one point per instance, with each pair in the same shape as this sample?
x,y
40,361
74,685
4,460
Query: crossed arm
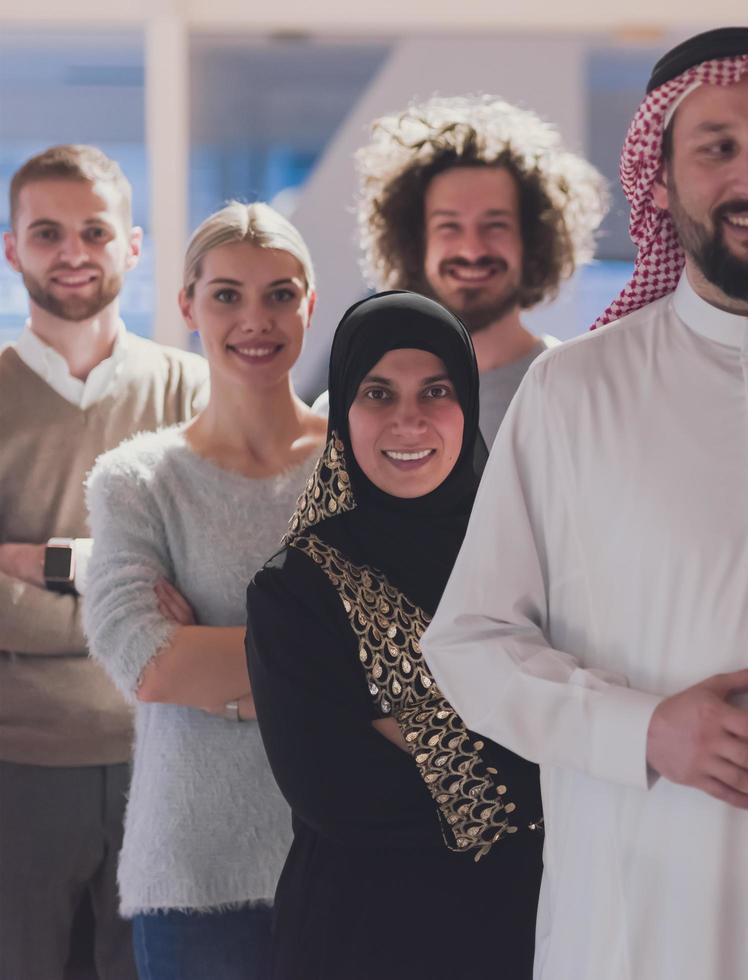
x,y
33,621
201,666
143,632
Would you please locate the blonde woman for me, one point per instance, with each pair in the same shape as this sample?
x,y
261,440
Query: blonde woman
x,y
182,519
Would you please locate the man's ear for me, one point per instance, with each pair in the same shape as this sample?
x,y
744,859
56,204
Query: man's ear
x,y
9,246
136,247
660,189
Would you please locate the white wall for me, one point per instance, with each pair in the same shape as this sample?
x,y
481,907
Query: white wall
x,y
399,16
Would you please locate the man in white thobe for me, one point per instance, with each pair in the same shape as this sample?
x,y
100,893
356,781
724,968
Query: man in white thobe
x,y
596,620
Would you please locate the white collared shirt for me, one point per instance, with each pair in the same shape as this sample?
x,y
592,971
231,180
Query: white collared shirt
x,y
52,368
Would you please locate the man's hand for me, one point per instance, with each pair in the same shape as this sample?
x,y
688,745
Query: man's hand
x,y
697,738
24,562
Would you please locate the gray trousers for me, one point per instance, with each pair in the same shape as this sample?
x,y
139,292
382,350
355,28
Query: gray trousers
x,y
60,834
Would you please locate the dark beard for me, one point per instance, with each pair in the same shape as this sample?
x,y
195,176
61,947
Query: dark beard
x,y
478,316
475,315
74,309
719,266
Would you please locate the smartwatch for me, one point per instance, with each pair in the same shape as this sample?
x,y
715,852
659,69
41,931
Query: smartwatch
x,y
59,565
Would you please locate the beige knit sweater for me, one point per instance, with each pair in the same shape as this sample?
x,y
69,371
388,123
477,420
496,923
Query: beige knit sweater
x,y
57,707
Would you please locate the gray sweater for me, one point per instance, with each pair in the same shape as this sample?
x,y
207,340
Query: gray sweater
x,y
498,387
206,826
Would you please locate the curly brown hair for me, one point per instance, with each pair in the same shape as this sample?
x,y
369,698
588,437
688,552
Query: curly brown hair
x,y
563,198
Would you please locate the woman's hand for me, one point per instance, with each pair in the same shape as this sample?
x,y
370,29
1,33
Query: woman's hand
x,y
391,731
172,604
247,708
245,705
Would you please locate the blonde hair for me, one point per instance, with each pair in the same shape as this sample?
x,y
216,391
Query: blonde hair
x,y
258,224
71,161
563,198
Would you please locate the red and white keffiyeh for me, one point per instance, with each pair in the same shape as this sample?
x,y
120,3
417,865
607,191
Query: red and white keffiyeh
x,y
660,258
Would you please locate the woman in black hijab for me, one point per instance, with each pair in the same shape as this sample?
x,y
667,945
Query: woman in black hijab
x,y
417,845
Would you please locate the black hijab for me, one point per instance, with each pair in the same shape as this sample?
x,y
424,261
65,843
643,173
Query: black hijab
x,y
413,541
388,560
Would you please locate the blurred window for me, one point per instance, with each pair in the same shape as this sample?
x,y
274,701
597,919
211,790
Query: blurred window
x,y
263,111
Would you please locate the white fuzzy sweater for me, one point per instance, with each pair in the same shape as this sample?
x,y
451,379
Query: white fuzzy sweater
x,y
206,826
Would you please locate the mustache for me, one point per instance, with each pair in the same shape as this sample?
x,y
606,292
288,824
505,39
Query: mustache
x,y
88,267
484,262
736,206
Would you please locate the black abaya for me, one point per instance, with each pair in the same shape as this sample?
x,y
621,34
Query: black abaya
x,y
382,881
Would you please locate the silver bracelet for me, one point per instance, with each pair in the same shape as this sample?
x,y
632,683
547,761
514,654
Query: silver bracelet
x,y
231,711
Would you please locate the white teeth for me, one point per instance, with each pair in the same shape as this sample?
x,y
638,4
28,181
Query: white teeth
x,y
407,456
740,220
255,351
472,275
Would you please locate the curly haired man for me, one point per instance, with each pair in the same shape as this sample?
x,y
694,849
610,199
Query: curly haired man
x,y
477,204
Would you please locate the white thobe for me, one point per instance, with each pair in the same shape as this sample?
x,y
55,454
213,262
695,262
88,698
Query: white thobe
x,y
605,567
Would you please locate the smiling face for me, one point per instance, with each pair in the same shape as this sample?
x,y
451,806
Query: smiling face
x,y
705,185
251,307
72,243
473,243
406,423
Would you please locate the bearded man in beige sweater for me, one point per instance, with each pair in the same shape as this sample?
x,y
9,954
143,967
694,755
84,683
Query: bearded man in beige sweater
x,y
74,385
